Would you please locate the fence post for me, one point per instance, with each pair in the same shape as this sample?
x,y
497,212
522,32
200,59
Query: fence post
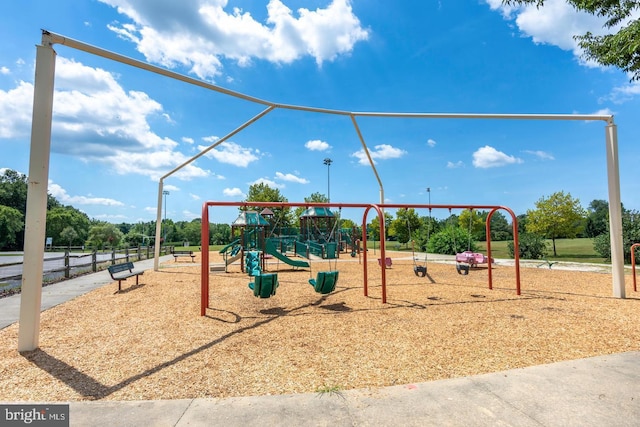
x,y
113,256
94,260
126,253
67,269
139,255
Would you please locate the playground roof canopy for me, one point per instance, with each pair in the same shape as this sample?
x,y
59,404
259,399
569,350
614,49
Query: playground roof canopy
x,y
250,219
318,212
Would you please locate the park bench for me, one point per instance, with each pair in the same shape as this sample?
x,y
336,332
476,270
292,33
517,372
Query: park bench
x,y
177,254
122,272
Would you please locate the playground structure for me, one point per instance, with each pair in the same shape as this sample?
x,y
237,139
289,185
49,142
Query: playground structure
x,y
318,283
253,231
29,332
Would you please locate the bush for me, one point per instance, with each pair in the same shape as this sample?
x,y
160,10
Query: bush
x,y
531,245
450,241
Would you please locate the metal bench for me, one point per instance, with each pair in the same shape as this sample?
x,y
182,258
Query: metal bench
x,y
122,272
177,254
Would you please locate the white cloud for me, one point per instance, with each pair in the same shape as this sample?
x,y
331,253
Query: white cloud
x,y
232,153
431,143
194,196
623,93
542,155
555,23
267,182
291,178
187,140
15,111
233,192
489,157
189,215
4,70
96,120
605,112
152,210
111,218
317,145
381,152
455,165
197,35
61,195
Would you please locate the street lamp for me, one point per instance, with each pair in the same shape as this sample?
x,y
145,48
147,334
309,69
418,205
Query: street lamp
x,y
328,162
165,193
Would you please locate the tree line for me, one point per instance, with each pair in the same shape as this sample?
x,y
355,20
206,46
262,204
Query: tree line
x,y
558,216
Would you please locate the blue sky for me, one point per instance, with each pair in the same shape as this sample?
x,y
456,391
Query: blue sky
x,y
117,129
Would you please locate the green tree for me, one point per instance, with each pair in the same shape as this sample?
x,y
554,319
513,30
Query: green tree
x,y
630,235
531,246
104,235
500,228
449,241
522,223
192,231
473,221
597,218
313,198
263,193
347,223
220,234
373,228
62,217
557,216
69,235
405,225
11,224
428,227
620,48
133,239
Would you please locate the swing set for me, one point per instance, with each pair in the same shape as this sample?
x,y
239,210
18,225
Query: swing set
x,y
324,280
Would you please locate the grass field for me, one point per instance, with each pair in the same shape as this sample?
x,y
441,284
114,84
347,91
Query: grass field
x,y
570,250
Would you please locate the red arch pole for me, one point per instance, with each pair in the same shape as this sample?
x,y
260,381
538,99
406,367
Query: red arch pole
x,y
633,265
383,270
516,245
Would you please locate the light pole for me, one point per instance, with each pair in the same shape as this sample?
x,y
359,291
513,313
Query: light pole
x,y
165,193
328,162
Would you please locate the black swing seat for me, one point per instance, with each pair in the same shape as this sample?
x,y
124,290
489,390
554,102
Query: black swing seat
x,y
325,282
264,285
420,270
462,268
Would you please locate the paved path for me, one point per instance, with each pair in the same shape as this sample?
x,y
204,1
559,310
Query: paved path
x,y
60,292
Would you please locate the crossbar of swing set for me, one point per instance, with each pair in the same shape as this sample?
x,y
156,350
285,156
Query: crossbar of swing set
x,y
204,266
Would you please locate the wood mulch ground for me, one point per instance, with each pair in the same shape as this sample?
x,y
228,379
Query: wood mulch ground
x,y
149,342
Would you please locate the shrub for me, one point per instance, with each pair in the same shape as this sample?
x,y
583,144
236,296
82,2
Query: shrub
x,y
532,246
450,241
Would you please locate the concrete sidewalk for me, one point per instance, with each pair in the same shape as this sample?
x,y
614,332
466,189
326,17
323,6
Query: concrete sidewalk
x,y
600,391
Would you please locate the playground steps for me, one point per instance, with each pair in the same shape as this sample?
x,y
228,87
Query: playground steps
x,y
217,267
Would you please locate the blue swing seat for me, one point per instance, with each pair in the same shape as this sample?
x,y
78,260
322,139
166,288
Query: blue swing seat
x,y
264,285
325,282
